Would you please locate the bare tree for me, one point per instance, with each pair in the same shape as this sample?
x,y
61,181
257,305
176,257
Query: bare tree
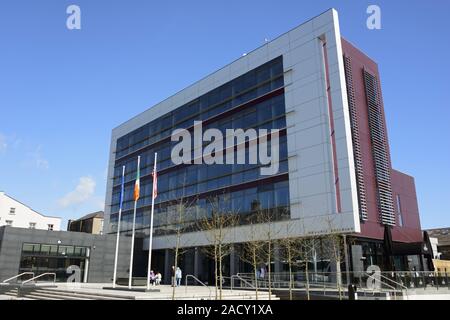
x,y
268,233
298,252
290,251
260,247
217,227
178,217
307,247
334,248
251,251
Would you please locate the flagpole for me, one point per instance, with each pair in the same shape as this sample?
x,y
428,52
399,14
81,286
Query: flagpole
x,y
132,247
150,243
116,256
134,227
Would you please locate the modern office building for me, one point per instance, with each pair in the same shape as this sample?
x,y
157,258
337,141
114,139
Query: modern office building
x,y
16,214
323,95
90,223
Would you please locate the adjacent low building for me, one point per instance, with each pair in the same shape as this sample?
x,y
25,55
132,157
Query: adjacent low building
x,y
32,242
90,223
16,214
442,235
89,256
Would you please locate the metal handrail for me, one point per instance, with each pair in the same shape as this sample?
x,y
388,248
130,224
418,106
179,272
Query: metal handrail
x,y
40,276
394,289
327,273
251,277
275,282
199,281
381,282
240,278
388,279
232,280
396,283
19,275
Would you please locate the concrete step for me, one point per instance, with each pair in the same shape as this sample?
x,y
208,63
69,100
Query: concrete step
x,y
251,297
211,298
259,298
41,296
14,297
33,295
85,294
61,293
227,296
58,296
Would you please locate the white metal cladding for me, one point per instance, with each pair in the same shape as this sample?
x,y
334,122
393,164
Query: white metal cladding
x,y
355,138
379,150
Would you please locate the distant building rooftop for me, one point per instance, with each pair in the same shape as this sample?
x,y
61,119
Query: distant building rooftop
x,y
442,234
97,214
90,223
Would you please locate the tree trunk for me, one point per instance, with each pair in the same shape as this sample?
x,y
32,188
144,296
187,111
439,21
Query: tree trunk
x,y
255,268
307,278
220,272
338,276
290,271
215,268
269,253
220,261
177,247
174,280
338,265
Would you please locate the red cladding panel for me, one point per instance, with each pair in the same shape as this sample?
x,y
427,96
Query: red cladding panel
x,y
401,183
404,186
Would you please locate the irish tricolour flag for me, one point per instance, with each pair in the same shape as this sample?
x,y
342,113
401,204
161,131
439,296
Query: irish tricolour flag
x,y
137,184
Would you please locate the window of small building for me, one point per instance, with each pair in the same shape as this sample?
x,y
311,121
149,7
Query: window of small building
x,y
31,248
66,250
80,251
48,249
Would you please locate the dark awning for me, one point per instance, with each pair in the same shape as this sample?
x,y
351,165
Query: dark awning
x,y
412,248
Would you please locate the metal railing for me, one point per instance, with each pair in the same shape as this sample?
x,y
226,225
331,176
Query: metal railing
x,y
40,276
197,280
397,286
17,276
285,280
237,276
393,290
369,284
422,279
377,282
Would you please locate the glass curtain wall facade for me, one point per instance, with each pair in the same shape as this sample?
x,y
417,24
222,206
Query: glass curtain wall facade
x,y
254,100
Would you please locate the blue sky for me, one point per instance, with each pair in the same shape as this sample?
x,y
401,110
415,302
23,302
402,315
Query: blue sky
x,y
62,91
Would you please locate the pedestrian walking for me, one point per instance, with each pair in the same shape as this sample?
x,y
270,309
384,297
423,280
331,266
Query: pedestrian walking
x,y
158,278
152,277
178,276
